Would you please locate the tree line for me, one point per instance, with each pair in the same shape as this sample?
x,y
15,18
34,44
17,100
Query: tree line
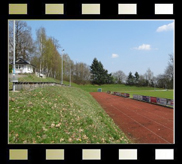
x,y
44,55
99,75
164,80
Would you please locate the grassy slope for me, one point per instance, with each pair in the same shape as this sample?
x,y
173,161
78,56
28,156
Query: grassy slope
x,y
59,115
33,78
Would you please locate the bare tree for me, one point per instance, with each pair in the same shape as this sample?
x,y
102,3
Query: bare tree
x,y
169,69
23,39
148,76
162,81
67,64
81,73
119,76
142,80
165,80
169,72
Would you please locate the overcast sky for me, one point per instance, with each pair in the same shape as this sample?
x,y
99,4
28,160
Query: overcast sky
x,y
127,45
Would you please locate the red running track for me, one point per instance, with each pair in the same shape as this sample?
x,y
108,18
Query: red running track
x,y
141,122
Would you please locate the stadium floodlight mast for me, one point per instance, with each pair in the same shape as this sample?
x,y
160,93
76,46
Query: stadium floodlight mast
x,y
70,74
62,68
40,56
13,55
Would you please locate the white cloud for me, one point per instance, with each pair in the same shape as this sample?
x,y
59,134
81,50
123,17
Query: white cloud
x,y
115,55
143,47
167,27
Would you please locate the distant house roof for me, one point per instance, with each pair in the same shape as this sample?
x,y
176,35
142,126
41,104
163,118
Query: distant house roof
x,y
22,61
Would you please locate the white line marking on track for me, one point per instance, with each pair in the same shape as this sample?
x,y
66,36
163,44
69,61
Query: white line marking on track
x,y
141,125
149,119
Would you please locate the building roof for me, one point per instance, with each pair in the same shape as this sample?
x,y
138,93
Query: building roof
x,y
22,61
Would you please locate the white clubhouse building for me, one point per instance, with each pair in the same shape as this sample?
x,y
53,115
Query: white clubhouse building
x,y
23,66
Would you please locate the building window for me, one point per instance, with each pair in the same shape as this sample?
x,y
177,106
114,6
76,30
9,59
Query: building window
x,y
19,66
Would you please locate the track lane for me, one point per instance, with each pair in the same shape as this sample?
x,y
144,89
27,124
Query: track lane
x,y
137,119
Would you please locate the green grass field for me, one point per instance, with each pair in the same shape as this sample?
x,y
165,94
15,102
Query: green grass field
x,y
162,94
146,91
112,87
59,115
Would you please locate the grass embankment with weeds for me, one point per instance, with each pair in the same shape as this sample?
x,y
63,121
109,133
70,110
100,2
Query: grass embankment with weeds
x,y
34,78
59,115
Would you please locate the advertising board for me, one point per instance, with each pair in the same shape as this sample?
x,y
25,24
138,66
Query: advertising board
x,y
161,101
140,97
153,99
170,102
135,97
145,98
127,95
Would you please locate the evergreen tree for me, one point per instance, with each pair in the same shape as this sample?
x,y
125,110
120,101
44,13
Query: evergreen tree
x,y
130,79
136,78
94,71
98,74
